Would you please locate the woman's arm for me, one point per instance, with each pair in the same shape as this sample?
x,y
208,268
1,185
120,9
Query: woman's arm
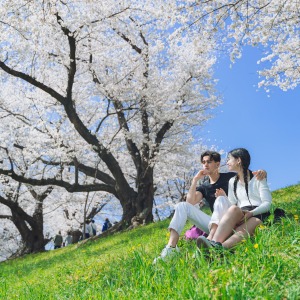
x,y
265,197
231,197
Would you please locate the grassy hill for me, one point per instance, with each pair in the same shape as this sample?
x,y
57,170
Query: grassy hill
x,y
120,266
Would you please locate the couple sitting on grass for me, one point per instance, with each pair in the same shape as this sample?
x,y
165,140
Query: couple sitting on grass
x,y
239,201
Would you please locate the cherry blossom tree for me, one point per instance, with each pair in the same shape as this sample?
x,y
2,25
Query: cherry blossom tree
x,y
27,220
97,94
31,216
272,25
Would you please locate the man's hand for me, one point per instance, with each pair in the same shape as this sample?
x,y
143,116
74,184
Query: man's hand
x,y
220,192
193,197
260,174
200,174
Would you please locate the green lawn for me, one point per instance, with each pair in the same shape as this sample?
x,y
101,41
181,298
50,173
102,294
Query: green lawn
x,y
120,266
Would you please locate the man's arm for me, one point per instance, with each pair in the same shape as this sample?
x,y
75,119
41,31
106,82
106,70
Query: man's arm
x,y
193,197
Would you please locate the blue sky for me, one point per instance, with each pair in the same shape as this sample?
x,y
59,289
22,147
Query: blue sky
x,y
269,127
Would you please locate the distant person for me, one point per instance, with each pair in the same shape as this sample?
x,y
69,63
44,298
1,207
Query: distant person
x,y
68,239
106,225
77,236
94,227
58,240
87,229
250,201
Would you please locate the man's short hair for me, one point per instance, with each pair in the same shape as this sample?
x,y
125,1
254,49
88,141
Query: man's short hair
x,y
213,155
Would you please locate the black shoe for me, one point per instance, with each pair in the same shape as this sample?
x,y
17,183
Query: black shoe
x,y
216,245
203,242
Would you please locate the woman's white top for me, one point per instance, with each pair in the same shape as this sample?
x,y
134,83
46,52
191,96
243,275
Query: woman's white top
x,y
259,195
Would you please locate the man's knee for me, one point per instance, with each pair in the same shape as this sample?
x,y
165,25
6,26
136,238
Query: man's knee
x,y
221,201
181,205
233,213
234,209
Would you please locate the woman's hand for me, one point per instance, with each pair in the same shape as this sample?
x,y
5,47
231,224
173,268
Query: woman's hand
x,y
247,215
220,192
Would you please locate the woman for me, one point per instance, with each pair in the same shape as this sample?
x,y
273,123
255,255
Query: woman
x,y
250,199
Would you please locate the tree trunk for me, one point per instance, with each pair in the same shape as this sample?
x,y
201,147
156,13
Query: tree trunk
x,y
30,227
145,198
33,238
139,204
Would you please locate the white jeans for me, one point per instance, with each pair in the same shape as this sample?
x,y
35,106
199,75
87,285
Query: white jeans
x,y
185,211
221,206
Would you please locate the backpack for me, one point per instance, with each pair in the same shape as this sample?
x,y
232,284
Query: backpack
x,y
193,233
278,214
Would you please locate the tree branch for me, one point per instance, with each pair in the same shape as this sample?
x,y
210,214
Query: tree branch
x,y
89,171
160,136
72,188
5,217
33,82
131,146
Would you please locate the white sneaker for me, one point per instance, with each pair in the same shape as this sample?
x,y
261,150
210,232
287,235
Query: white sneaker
x,y
166,253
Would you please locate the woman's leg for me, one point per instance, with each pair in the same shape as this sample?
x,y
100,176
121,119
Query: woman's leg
x,y
242,231
213,229
229,221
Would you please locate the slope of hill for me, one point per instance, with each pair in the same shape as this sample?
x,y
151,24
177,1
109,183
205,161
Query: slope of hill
x,y
120,266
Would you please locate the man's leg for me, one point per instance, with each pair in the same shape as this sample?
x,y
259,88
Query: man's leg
x,y
242,231
174,237
232,217
185,211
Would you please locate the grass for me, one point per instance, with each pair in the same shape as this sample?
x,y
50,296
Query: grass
x,y
120,266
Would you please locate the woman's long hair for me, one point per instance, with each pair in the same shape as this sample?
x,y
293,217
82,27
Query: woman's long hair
x,y
244,155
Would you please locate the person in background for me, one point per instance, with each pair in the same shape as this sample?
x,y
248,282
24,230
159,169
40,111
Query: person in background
x,y
58,240
106,225
68,239
77,236
94,227
250,201
87,230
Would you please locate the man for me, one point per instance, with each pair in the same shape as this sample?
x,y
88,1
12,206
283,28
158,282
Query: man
x,y
188,211
106,225
68,239
87,230
94,228
58,240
